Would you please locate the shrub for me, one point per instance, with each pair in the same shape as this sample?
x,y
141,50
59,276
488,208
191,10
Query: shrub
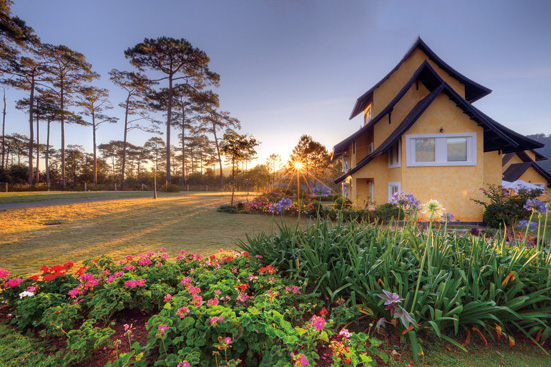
x,y
504,208
388,211
173,188
226,208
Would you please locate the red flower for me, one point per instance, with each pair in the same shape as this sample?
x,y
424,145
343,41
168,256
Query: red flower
x,y
242,286
35,277
323,312
229,258
56,268
81,270
68,265
212,257
49,277
45,269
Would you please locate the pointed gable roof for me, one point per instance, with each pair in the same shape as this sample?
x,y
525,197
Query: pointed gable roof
x,y
473,90
496,136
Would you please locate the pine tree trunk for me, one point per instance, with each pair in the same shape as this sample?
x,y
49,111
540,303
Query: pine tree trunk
x,y
124,143
219,156
37,149
62,138
183,145
4,161
168,121
31,132
95,154
48,154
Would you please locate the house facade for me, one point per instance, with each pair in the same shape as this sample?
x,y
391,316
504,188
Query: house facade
x,y
422,135
522,166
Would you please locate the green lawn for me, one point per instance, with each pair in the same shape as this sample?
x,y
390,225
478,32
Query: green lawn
x,y
33,237
40,196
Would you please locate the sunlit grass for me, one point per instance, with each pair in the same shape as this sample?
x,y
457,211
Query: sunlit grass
x,y
32,237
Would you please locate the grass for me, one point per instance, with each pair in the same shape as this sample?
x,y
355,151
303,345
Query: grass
x,y
33,237
41,196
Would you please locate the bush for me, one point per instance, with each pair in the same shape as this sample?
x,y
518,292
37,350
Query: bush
x,y
506,209
342,203
388,211
173,188
226,208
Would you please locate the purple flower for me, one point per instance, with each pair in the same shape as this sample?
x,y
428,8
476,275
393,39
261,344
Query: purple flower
x,y
524,223
448,217
535,205
322,191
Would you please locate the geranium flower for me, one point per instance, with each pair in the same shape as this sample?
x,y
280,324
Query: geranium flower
x,y
197,301
13,282
162,328
168,297
213,301
183,364
182,312
317,322
25,294
4,273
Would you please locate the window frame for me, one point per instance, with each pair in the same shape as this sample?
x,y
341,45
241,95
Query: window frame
x,y
440,150
399,156
398,186
345,163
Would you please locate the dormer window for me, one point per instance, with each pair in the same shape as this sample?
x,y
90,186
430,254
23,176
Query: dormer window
x,y
394,155
367,114
345,163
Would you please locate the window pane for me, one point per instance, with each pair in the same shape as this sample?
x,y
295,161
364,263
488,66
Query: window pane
x,y
424,150
457,149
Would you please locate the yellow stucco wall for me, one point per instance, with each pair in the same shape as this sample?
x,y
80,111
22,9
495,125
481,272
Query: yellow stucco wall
x,y
513,160
389,88
453,186
378,170
531,155
492,168
383,128
532,176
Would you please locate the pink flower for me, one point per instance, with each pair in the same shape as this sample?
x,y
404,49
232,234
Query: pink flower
x,y
215,320
13,282
243,297
74,292
193,290
126,327
163,249
168,297
345,333
4,273
213,301
295,289
31,289
227,340
129,267
183,364
162,328
303,360
317,322
185,282
197,301
182,312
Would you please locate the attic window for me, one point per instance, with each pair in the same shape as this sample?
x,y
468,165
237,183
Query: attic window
x,y
367,114
441,150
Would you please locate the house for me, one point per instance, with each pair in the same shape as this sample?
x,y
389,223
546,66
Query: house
x,y
422,135
522,166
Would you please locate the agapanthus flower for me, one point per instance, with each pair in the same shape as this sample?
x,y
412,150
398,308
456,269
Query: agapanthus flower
x,y
433,207
524,223
322,191
448,217
535,205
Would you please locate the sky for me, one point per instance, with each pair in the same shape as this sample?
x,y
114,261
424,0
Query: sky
x,y
294,67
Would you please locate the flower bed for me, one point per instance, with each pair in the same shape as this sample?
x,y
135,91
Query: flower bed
x,y
216,311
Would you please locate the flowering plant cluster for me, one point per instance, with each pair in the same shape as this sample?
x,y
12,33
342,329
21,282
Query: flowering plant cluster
x,y
215,310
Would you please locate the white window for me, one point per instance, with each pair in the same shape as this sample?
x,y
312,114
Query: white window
x,y
393,188
345,163
441,150
371,192
394,155
540,185
346,190
370,148
367,114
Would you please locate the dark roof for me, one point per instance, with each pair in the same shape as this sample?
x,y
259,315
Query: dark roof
x,y
408,121
516,170
496,136
473,90
539,156
423,74
506,158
